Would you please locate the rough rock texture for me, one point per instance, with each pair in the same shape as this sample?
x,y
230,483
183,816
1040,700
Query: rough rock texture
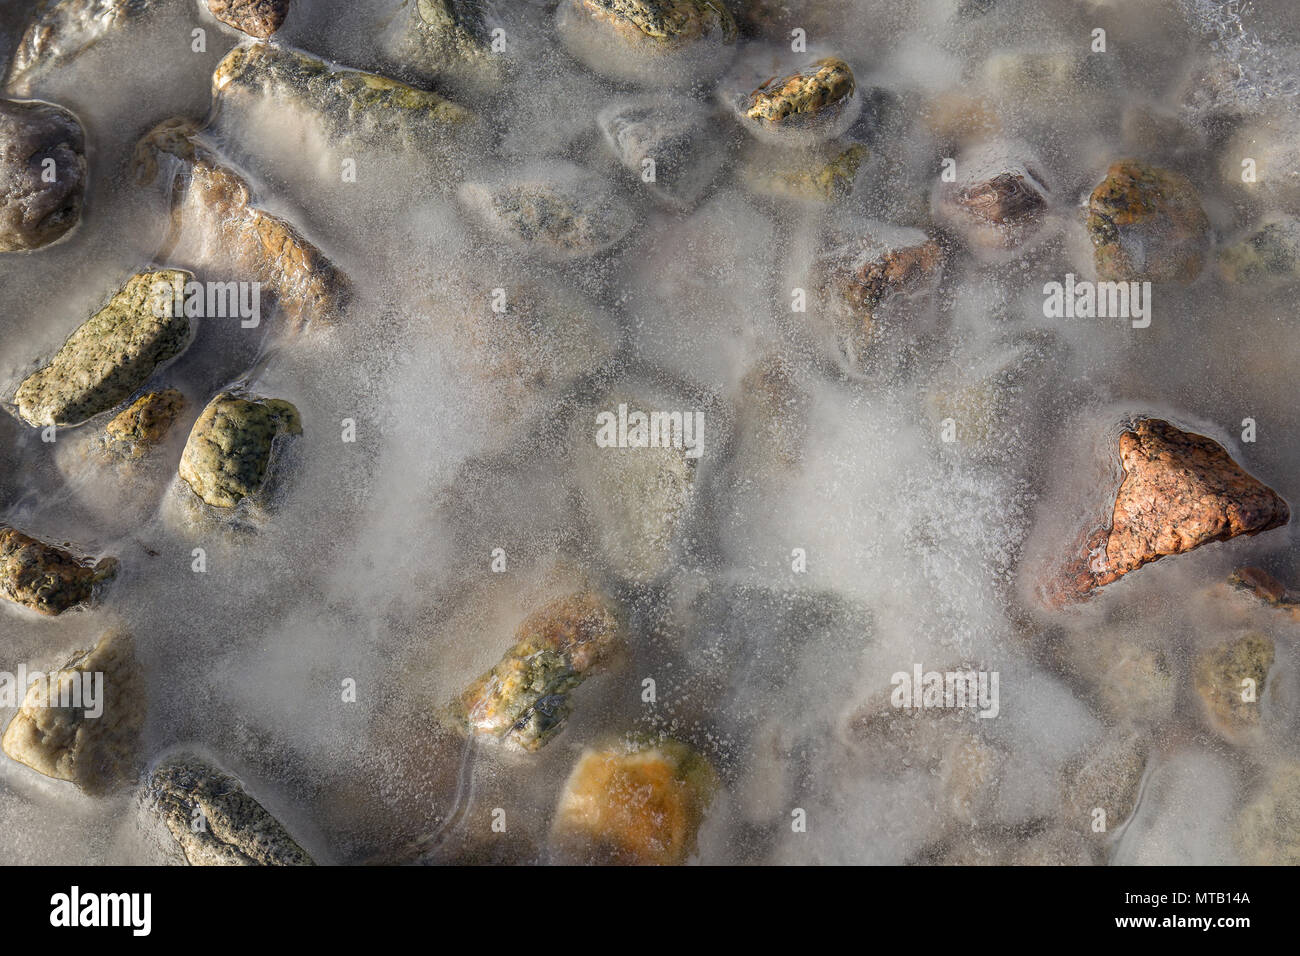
x,y
563,213
39,202
214,820
669,41
228,454
637,804
998,200
447,41
1268,829
1270,254
46,578
64,29
1219,673
1267,589
822,85
211,199
98,751
1180,491
111,354
1146,223
524,700
144,423
258,18
346,103
673,132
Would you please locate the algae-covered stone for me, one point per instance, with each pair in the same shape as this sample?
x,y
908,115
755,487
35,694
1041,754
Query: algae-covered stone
x,y
524,700
112,354
62,30
258,18
36,209
1268,829
82,723
347,104
672,42
1230,678
144,423
46,578
639,803
1146,223
824,173
1268,255
557,212
228,455
236,830
792,101
212,203
448,41
671,136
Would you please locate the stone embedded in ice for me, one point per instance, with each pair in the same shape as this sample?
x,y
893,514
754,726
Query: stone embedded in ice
x,y
447,41
1267,831
143,425
1231,678
258,18
998,201
1269,254
822,173
45,577
64,29
792,100
671,135
37,141
1146,223
229,452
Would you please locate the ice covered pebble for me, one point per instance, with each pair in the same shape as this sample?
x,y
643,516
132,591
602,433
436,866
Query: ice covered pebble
x,y
46,578
792,102
236,831
634,804
823,173
672,42
448,41
997,202
1106,778
42,174
63,29
112,354
1179,491
258,18
1146,223
1230,678
1268,829
1268,254
228,454
524,700
144,423
670,137
82,723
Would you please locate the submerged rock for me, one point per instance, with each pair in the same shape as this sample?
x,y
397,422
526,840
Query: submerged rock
x,y
1270,254
671,135
1230,677
112,353
144,424
1146,223
213,206
228,455
1267,588
36,210
447,41
1263,157
258,18
1131,679
64,29
1180,491
524,700
1268,829
214,820
1106,777
46,578
640,803
83,722
670,42
559,212
998,202
824,173
792,101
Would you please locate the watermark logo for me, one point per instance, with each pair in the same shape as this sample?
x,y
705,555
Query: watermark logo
x,y
210,300
624,429
928,690
74,908
1099,300
70,690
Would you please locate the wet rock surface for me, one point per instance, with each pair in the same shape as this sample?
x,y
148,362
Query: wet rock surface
x,y
44,577
42,174
144,424
1146,223
229,452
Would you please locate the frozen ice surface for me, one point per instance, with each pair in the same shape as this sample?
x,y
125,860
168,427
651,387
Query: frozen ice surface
x,y
843,524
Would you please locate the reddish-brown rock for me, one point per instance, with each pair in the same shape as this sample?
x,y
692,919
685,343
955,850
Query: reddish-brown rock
x,y
1179,491
258,18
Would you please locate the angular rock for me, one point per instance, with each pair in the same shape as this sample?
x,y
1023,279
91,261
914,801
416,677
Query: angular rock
x,y
1180,491
35,212
1220,673
46,578
229,452
671,42
144,424
447,41
640,804
998,202
1268,830
1147,224
213,205
558,212
83,722
672,132
1267,256
524,700
111,354
64,29
236,830
257,18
